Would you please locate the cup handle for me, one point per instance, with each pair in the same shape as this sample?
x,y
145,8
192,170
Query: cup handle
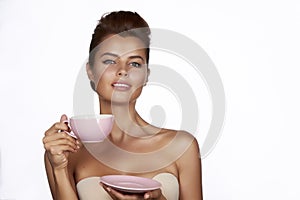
x,y
67,122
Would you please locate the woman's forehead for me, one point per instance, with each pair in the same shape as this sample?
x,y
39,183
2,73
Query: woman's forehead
x,y
121,45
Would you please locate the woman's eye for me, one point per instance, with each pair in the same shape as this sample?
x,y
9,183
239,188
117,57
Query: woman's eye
x,y
135,64
108,62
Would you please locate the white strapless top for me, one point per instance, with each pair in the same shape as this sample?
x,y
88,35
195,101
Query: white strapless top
x,y
89,188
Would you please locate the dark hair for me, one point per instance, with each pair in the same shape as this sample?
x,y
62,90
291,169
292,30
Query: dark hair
x,y
124,23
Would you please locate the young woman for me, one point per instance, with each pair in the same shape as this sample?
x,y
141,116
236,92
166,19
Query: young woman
x,y
118,71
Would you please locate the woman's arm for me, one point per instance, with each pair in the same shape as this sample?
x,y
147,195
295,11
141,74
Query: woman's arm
x,y
190,179
61,182
59,146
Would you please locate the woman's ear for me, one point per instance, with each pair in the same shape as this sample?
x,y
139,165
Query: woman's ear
x,y
91,76
89,72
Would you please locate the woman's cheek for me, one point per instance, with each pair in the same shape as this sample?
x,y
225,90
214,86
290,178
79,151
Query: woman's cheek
x,y
99,69
139,77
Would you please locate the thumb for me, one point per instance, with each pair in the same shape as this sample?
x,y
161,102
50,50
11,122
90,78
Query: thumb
x,y
63,118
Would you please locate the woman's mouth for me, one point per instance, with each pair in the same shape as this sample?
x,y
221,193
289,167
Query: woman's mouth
x,y
121,86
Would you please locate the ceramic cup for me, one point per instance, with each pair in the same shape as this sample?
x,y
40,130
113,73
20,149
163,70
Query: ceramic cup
x,y
91,128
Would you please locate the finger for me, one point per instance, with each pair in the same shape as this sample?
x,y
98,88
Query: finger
x,y
61,139
153,194
115,194
62,142
51,146
63,118
79,143
59,136
108,190
59,149
105,187
58,126
127,196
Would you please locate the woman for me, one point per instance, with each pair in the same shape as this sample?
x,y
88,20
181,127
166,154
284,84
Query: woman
x,y
118,71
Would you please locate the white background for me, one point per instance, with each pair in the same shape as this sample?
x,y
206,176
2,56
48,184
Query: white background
x,y
255,46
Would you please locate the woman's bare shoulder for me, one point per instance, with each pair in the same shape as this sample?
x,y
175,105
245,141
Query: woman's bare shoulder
x,y
179,140
192,151
181,135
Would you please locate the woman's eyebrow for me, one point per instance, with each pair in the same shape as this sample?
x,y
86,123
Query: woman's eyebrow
x,y
109,54
116,55
140,57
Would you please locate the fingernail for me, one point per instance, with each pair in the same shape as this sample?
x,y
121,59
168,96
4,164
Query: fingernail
x,y
147,196
108,189
78,147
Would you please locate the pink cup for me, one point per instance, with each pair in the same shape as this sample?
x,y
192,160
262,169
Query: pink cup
x,y
91,128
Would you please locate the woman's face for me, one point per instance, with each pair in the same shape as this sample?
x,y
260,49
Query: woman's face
x,y
119,69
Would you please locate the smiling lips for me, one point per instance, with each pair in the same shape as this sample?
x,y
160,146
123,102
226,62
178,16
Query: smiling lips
x,y
121,86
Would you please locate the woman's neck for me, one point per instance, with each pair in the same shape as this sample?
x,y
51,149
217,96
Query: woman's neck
x,y
125,111
127,120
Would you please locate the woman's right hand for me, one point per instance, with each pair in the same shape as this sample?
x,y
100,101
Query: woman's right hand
x,y
59,144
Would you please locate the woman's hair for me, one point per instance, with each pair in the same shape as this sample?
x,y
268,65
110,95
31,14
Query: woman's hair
x,y
124,23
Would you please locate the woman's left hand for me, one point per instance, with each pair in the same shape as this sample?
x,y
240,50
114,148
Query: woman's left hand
x,y
150,195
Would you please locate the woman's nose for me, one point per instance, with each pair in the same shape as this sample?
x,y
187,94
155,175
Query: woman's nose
x,y
122,71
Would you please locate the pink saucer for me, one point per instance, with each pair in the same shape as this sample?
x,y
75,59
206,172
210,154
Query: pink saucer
x,y
130,184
